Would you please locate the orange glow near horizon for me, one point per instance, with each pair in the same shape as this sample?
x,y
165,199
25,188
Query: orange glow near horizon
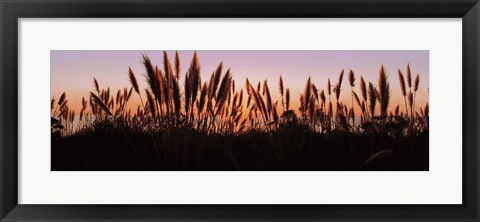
x,y
73,71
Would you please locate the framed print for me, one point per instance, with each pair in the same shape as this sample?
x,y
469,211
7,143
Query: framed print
x,y
224,110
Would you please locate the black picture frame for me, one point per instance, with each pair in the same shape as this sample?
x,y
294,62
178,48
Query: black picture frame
x,y
11,11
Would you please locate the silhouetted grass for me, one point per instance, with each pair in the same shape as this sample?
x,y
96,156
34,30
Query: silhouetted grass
x,y
215,126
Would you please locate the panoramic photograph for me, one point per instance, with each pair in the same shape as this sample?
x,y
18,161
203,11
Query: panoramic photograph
x,y
239,110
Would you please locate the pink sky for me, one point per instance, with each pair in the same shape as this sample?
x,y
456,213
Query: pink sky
x,y
73,71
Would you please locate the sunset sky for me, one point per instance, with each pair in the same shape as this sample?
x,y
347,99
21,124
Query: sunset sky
x,y
73,71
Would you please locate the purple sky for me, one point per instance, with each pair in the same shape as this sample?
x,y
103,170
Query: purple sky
x,y
73,71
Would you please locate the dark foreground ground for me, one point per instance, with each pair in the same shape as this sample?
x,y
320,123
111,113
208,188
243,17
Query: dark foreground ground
x,y
285,149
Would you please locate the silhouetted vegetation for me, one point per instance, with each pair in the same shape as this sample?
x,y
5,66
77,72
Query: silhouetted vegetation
x,y
214,125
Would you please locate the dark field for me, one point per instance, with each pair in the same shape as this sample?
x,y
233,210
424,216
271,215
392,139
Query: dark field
x,y
291,147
